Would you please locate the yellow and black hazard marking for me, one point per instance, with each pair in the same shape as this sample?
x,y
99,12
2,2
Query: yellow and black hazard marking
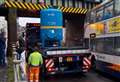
x,y
31,6
73,10
24,5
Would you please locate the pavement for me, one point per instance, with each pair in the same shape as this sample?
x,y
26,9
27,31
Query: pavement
x,y
3,73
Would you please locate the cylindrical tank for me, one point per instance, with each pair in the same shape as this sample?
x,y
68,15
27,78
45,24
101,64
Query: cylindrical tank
x,y
51,27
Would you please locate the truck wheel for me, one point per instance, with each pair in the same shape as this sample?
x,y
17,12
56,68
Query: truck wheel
x,y
93,63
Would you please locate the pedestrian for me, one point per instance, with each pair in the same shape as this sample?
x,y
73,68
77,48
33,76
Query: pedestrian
x,y
23,65
2,49
35,60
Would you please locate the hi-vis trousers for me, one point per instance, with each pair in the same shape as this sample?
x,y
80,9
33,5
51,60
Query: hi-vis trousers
x,y
34,73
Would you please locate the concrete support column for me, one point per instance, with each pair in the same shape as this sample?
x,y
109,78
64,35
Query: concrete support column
x,y
12,29
12,39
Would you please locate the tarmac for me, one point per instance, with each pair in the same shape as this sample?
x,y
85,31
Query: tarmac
x,y
3,73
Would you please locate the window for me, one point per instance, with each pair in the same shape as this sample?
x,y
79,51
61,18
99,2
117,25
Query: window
x,y
90,6
117,7
59,2
28,1
54,2
70,3
76,3
104,45
94,5
34,1
99,45
87,18
98,0
99,14
108,11
109,45
92,17
86,43
66,3
40,1
117,45
48,2
85,5
80,4
92,44
63,2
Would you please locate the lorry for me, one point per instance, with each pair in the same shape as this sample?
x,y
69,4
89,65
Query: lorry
x,y
49,35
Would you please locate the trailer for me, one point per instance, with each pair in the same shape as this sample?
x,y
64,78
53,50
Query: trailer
x,y
49,34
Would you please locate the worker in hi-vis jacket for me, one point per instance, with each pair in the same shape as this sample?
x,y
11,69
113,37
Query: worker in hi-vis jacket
x,y
35,60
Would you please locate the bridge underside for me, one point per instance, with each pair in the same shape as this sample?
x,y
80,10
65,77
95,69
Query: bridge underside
x,y
12,10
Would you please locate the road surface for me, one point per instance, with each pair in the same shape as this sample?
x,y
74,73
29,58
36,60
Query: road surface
x,y
89,77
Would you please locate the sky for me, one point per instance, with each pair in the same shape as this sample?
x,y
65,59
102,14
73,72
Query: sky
x,y
23,20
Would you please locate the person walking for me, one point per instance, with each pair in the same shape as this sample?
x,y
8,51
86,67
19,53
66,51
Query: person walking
x,y
23,65
2,49
35,60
